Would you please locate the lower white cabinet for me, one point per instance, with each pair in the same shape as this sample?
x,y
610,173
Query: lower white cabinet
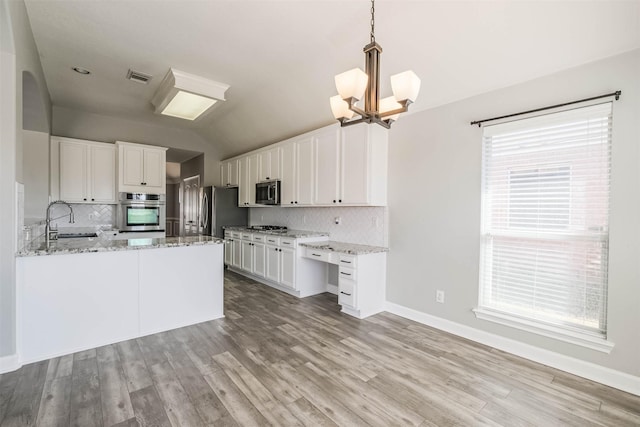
x,y
361,280
228,252
276,261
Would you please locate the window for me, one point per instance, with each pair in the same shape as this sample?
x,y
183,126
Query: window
x,y
545,231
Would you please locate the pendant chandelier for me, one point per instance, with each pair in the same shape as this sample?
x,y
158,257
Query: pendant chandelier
x,y
352,85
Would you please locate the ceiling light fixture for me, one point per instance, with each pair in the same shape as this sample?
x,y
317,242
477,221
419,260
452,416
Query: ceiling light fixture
x,y
355,83
187,96
81,70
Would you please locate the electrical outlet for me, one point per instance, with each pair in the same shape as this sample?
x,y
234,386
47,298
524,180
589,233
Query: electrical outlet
x,y
440,296
374,221
337,220
304,219
261,217
90,216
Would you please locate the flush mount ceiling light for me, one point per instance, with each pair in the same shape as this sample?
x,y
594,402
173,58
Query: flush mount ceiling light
x,y
355,83
187,96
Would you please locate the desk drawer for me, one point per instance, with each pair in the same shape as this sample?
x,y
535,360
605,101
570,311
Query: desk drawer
x,y
347,293
317,254
348,261
346,273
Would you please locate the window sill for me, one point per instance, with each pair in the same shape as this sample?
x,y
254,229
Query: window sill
x,y
574,337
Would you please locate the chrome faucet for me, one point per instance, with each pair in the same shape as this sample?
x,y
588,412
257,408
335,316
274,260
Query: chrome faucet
x,y
52,233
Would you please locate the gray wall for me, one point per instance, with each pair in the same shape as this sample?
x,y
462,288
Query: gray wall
x,y
434,204
84,125
35,175
19,54
193,167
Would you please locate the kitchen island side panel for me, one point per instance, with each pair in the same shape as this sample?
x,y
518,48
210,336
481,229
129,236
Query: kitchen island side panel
x,y
70,303
180,286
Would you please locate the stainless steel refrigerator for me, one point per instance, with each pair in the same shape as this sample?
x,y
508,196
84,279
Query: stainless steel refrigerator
x,y
219,209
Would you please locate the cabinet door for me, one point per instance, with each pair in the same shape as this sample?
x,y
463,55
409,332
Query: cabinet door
x,y
229,173
264,159
259,259
154,169
327,160
254,177
274,164
228,252
355,161
237,253
247,256
288,178
288,268
73,172
273,263
243,182
132,165
102,167
304,171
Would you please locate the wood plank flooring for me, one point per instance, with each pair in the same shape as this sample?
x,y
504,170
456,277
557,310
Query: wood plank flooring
x,y
279,360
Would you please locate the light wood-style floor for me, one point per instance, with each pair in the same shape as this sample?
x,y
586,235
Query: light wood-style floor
x,y
279,360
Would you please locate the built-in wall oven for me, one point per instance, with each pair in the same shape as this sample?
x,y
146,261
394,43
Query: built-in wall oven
x,y
141,212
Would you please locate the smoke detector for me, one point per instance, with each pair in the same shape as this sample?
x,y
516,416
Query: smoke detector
x,y
137,76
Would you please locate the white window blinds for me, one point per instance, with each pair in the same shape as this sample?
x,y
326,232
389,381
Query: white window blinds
x,y
545,217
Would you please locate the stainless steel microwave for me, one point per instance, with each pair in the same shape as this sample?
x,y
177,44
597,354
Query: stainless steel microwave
x,y
268,193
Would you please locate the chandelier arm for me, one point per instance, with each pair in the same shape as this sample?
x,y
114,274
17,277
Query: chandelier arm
x,y
405,107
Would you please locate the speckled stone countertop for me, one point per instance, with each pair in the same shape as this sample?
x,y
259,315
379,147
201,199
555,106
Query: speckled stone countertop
x,y
345,248
97,244
297,234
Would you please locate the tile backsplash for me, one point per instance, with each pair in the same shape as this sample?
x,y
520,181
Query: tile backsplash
x,y
85,215
364,225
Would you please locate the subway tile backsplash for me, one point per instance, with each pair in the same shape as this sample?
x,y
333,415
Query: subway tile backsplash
x,y
364,225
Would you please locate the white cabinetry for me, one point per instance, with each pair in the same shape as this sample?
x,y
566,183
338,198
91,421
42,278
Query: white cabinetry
x,y
361,280
248,170
87,171
327,167
229,173
278,262
288,183
141,168
270,165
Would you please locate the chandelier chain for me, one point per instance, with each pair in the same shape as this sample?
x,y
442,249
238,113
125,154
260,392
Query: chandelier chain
x,y
373,21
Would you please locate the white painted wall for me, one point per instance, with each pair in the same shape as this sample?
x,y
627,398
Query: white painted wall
x,y
35,174
98,127
19,54
434,205
364,225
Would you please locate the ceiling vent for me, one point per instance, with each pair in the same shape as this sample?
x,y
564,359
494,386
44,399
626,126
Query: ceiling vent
x,y
137,76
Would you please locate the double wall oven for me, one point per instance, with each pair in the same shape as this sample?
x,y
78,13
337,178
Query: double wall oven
x,y
141,212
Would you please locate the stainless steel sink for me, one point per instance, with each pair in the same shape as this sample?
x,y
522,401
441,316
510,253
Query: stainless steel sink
x,y
75,235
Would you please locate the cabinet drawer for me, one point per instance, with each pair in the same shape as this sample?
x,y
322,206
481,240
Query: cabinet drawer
x,y
347,273
347,293
317,254
272,240
287,242
246,236
259,238
236,235
348,261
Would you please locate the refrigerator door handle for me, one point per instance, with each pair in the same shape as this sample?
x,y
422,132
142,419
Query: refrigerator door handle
x,y
205,211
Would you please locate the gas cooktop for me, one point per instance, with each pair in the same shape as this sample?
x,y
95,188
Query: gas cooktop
x,y
268,227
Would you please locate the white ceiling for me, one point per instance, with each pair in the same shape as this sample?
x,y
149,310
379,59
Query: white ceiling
x,y
280,56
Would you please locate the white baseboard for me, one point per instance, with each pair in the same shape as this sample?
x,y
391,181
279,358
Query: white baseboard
x,y
9,363
607,376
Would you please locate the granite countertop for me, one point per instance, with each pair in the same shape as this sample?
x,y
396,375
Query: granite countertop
x,y
99,244
296,234
345,248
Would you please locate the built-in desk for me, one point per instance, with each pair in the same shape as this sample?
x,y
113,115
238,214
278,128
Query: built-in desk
x,y
362,272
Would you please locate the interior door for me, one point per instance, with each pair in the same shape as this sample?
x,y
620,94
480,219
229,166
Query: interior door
x,y
190,207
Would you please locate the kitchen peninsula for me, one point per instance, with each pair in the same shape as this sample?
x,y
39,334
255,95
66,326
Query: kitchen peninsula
x,y
78,294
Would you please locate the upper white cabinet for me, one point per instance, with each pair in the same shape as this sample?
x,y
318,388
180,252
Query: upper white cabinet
x,y
141,168
248,171
327,167
270,165
363,166
229,173
86,171
331,166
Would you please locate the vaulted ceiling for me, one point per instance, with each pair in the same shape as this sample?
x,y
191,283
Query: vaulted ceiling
x,y
280,57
